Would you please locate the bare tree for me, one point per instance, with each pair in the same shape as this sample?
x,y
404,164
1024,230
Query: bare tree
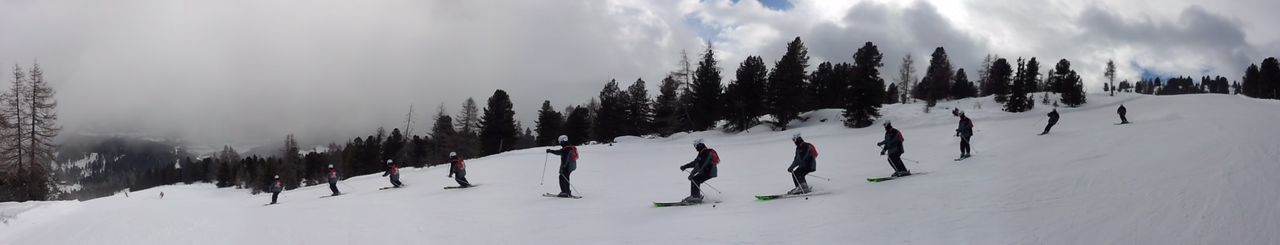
x,y
906,75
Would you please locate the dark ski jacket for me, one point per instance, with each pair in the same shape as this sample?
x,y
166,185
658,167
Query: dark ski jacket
x,y
456,166
704,164
892,141
392,170
1053,117
966,127
1121,111
568,157
333,176
277,187
806,159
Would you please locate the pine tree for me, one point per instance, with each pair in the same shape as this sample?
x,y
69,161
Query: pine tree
x,y
866,87
578,125
938,76
891,95
961,87
744,98
1269,79
1018,95
1110,74
1058,77
639,109
392,147
984,76
1250,81
610,120
290,168
15,146
666,119
1073,95
999,79
443,137
705,110
906,76
467,139
785,87
1031,76
548,125
830,85
498,124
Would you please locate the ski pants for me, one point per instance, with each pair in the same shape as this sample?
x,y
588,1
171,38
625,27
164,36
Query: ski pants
x,y
797,177
964,145
1049,126
694,185
395,180
274,196
895,161
1123,119
333,186
461,177
564,181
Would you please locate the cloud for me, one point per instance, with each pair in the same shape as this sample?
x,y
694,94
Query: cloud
x,y
238,72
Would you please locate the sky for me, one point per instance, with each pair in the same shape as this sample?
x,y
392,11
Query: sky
x,y
243,72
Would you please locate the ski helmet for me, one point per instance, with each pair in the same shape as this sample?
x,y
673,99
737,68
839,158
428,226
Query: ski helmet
x,y
563,138
887,124
388,161
796,137
699,143
453,154
277,176
330,165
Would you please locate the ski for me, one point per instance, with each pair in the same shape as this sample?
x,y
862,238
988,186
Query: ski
x,y
882,179
390,187
558,196
459,187
681,204
962,158
269,204
339,194
785,196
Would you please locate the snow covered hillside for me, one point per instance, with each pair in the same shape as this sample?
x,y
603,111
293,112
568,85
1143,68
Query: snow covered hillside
x,y
1192,169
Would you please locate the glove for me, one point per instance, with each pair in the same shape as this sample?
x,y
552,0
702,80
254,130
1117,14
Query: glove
x,y
791,169
548,150
882,153
682,168
880,144
450,176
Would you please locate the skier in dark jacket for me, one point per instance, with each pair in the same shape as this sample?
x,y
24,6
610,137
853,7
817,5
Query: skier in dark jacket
x,y
459,169
333,180
704,168
1053,119
394,172
568,162
276,188
965,131
893,145
805,162
1122,111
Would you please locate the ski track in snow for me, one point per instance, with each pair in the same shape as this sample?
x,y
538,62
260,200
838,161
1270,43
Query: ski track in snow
x,y
1192,169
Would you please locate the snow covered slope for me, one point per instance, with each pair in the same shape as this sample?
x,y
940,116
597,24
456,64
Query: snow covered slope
x,y
1192,169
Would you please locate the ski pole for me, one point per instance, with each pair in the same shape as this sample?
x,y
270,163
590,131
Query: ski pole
x,y
819,177
908,159
544,168
713,188
574,188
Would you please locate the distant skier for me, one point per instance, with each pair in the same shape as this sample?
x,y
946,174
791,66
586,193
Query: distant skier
x,y
893,145
965,131
394,172
1122,111
568,162
333,180
1053,119
459,169
276,188
805,162
704,168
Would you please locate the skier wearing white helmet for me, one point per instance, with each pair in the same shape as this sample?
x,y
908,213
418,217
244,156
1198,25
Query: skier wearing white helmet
x,y
276,188
459,169
568,162
394,172
805,162
704,168
333,180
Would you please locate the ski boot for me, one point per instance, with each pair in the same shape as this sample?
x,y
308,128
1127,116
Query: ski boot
x,y
692,199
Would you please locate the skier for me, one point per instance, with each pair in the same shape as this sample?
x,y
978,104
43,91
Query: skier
x,y
704,168
333,180
394,172
1053,119
276,188
1122,111
568,162
805,162
965,131
893,145
456,167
